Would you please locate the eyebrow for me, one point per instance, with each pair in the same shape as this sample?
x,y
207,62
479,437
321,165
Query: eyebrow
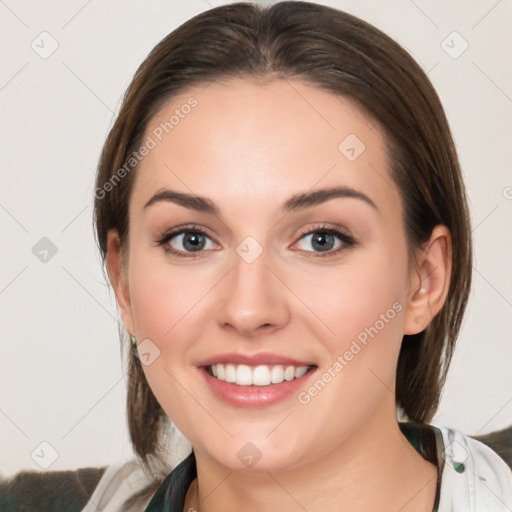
x,y
192,202
296,202
316,197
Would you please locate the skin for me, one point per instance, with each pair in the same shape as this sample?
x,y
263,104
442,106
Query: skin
x,y
248,147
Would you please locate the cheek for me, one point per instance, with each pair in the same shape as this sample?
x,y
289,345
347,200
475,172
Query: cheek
x,y
166,304
162,297
361,312
366,293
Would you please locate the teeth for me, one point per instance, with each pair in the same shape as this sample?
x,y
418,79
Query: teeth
x,y
243,375
262,375
230,375
300,371
276,374
289,373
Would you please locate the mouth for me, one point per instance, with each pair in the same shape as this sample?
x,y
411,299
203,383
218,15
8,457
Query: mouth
x,y
261,375
255,380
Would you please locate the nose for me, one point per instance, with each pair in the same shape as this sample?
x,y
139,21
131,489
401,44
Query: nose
x,y
252,300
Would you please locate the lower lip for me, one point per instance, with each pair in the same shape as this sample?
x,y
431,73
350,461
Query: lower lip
x,y
254,396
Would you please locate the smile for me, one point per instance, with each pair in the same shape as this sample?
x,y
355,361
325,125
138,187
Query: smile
x,y
261,375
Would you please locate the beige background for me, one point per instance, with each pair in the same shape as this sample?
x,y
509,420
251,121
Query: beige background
x,y
62,382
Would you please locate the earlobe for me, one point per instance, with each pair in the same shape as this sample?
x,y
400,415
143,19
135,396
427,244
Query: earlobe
x,y
118,279
430,281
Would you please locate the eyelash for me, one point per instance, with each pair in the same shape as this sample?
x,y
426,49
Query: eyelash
x,y
166,237
347,240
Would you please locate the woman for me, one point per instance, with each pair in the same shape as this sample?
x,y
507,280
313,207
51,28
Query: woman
x,y
281,212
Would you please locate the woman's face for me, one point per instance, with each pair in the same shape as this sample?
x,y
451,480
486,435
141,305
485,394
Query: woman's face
x,y
266,240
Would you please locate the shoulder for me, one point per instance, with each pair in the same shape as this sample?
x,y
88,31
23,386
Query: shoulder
x,y
474,477
119,483
82,490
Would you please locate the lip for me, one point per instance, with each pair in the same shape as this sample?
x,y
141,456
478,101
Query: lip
x,y
255,396
262,358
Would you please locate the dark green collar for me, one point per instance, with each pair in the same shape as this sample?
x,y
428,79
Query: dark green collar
x,y
428,442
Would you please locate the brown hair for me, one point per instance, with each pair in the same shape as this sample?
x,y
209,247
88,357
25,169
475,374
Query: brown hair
x,y
345,56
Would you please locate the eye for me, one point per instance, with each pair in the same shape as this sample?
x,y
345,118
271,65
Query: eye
x,y
325,240
186,242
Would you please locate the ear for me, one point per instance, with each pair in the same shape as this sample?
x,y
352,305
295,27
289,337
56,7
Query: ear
x,y
429,281
119,278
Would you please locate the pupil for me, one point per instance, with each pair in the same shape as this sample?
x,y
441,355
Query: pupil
x,y
323,241
193,241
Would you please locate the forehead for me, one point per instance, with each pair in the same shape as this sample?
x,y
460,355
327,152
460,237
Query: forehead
x,y
242,140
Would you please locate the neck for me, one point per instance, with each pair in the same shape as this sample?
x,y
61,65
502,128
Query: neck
x,y
377,469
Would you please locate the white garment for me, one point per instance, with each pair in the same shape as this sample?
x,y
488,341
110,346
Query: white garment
x,y
485,484
118,483
124,479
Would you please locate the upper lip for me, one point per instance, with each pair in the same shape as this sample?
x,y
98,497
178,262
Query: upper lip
x,y
262,358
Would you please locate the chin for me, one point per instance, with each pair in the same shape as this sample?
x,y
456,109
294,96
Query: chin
x,y
256,454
